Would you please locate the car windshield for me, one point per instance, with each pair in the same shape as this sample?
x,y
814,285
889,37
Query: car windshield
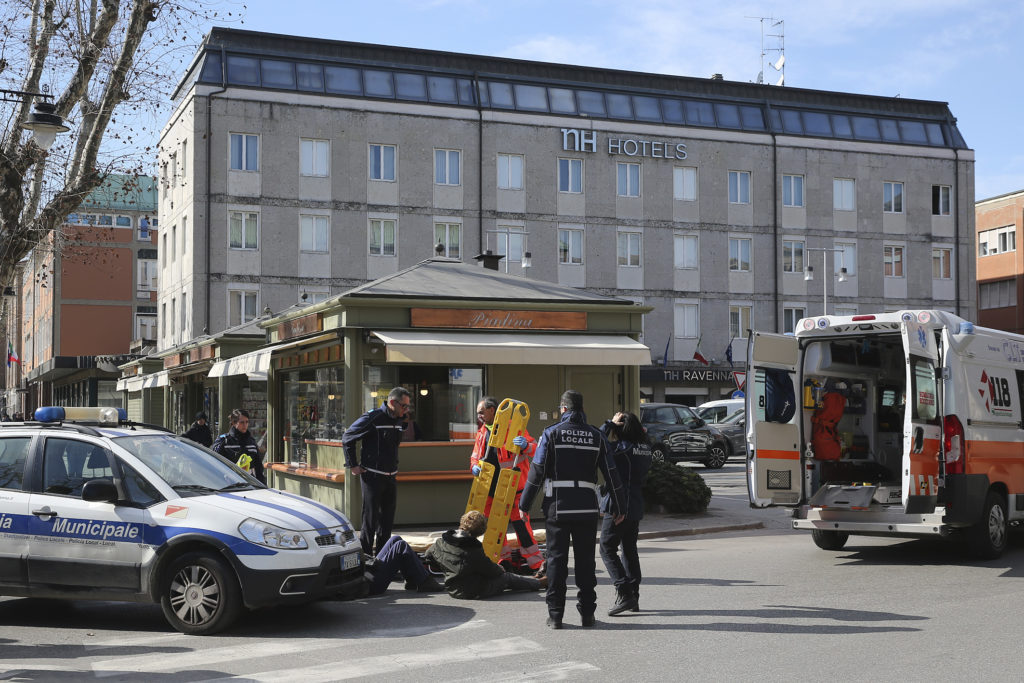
x,y
189,470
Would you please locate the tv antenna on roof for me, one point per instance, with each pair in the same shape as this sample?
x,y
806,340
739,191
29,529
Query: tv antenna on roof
x,y
779,64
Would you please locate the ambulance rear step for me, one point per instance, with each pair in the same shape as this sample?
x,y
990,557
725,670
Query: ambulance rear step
x,y
879,520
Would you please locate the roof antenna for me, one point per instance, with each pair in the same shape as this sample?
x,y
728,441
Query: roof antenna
x,y
780,63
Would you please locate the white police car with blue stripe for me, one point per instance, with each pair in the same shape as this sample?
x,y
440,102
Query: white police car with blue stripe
x,y
94,507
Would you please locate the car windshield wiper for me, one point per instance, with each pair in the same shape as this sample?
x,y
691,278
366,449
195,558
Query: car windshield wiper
x,y
238,485
194,487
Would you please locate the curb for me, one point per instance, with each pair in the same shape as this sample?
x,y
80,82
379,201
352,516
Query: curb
x,y
700,530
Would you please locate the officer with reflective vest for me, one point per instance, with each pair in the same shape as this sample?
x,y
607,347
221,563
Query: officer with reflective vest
x,y
565,467
502,459
380,432
238,446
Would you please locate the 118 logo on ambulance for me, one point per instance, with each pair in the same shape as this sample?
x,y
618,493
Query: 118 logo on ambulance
x,y
996,392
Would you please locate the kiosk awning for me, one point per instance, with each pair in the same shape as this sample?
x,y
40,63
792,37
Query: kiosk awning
x,y
256,363
525,348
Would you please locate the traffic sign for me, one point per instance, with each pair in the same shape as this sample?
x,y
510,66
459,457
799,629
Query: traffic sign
x,y
740,378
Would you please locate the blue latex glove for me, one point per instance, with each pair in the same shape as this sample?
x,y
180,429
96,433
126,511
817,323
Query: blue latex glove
x,y
476,470
520,441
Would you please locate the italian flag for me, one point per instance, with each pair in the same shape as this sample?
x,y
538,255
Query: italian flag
x,y
12,357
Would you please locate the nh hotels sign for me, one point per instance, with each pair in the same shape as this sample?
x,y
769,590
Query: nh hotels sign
x,y
577,140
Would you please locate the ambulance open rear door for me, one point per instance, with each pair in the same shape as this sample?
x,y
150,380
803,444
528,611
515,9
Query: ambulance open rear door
x,y
774,467
922,425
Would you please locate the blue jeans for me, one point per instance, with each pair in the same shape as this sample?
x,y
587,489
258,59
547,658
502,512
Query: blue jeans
x,y
394,556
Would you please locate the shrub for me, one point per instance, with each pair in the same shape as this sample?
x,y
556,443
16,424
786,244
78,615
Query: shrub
x,y
675,488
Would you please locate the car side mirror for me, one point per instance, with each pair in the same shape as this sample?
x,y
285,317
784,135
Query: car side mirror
x,y
100,491
698,422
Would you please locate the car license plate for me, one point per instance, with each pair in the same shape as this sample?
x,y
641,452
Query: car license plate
x,y
350,561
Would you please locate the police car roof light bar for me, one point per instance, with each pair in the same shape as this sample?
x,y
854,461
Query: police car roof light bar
x,y
100,415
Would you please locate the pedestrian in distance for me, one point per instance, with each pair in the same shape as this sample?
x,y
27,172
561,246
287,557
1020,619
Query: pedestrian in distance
x,y
238,446
397,556
569,455
380,432
468,573
631,450
200,431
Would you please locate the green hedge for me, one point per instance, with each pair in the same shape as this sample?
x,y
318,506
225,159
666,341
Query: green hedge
x,y
675,488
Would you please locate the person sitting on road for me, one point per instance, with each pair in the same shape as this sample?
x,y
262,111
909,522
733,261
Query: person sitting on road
x,y
468,573
395,556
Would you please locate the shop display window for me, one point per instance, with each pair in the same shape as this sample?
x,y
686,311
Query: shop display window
x,y
443,398
314,408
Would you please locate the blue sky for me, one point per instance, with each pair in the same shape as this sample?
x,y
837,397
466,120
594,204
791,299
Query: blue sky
x,y
965,53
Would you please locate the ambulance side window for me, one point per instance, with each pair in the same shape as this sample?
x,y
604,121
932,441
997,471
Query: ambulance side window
x,y
925,392
13,453
68,464
140,492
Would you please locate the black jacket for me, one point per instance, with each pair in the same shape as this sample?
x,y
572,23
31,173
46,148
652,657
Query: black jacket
x,y
466,568
632,462
201,434
380,434
233,444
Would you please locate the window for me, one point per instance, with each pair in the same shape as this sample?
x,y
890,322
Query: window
x,y
997,241
509,242
687,321
242,306
686,256
940,200
243,230
570,175
999,294
790,317
124,221
170,320
106,221
739,254
628,184
314,158
628,251
174,241
570,247
68,464
313,231
245,152
147,275
893,258
13,454
739,187
510,172
941,266
739,321
184,158
892,197
309,295
382,162
184,314
145,327
163,318
792,190
446,166
845,256
184,232
844,194
684,183
144,226
792,256
450,235
382,237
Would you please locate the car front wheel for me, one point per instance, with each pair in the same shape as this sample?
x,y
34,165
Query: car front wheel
x,y
658,452
199,594
716,457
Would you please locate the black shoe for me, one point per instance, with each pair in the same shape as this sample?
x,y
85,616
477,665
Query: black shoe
x,y
624,602
588,620
554,623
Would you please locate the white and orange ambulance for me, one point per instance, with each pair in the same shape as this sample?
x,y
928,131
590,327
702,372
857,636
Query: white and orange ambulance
x,y
906,424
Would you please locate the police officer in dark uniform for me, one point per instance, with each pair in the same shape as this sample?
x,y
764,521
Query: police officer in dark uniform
x,y
380,430
565,467
237,442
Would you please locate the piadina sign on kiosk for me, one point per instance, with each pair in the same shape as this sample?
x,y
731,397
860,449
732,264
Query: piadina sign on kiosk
x,y
576,140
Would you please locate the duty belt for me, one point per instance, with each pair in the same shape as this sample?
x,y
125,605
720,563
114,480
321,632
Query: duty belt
x,y
550,485
386,474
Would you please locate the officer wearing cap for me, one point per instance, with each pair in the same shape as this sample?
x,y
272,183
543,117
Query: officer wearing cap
x,y
565,467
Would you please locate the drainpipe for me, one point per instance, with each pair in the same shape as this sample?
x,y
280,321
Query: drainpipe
x,y
480,162
775,223
209,169
956,230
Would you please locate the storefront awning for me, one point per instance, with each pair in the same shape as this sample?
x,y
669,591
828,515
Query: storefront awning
x,y
156,379
130,384
496,348
256,363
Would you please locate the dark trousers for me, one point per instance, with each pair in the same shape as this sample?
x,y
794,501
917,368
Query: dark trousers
x,y
396,555
581,535
379,500
508,582
612,536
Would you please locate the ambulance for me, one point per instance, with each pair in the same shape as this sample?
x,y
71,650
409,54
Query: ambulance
x,y
904,424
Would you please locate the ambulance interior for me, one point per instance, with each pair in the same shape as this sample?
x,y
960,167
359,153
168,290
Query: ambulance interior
x,y
852,408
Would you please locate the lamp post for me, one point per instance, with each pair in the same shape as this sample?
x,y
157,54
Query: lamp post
x,y
44,122
809,271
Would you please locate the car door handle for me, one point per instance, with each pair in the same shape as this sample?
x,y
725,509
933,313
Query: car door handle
x,y
45,512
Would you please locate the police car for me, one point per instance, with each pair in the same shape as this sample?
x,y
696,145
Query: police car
x,y
94,507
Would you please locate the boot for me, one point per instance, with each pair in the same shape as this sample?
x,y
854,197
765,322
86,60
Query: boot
x,y
636,597
554,620
624,600
430,585
587,618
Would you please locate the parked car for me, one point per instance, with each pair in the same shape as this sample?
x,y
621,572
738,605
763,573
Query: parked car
x,y
734,428
677,434
716,411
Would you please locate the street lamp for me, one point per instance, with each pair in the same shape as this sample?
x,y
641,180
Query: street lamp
x,y
809,272
44,122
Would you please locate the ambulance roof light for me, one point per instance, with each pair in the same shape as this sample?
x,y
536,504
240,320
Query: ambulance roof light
x,y
102,415
966,328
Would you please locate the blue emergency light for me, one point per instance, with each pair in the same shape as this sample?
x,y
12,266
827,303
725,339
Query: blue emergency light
x,y
105,415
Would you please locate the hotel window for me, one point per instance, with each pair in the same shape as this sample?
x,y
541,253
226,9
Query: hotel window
x,y
739,187
792,190
314,158
382,162
245,152
792,256
243,230
509,242
449,235
739,254
942,268
446,166
687,321
997,241
570,175
313,233
790,317
684,183
382,237
892,197
940,200
844,194
999,294
893,260
570,247
628,180
510,172
739,321
686,255
628,249
242,306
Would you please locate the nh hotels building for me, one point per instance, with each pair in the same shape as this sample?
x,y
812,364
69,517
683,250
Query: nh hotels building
x,y
294,169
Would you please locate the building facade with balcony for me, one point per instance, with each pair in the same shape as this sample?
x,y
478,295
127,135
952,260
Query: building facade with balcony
x,y
998,221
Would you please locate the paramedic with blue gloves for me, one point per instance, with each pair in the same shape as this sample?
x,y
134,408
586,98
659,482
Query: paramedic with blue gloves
x,y
380,431
569,455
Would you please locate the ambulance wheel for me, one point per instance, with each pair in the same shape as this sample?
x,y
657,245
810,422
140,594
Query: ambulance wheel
x,y
987,539
658,453
829,540
199,594
716,457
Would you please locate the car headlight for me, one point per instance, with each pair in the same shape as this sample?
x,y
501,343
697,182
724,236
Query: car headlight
x,y
270,535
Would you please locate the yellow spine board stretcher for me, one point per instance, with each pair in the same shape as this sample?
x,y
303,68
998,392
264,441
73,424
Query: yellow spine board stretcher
x,y
509,422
